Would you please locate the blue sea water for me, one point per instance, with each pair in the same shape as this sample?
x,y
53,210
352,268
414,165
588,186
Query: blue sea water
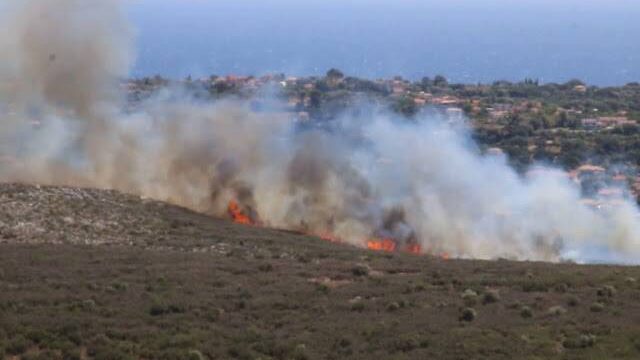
x,y
465,40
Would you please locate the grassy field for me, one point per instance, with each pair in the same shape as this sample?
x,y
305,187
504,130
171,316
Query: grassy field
x,y
88,274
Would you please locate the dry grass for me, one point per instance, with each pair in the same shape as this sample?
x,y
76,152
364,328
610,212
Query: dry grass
x,y
97,274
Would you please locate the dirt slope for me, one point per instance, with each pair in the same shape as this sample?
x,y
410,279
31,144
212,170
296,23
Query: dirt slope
x,y
98,274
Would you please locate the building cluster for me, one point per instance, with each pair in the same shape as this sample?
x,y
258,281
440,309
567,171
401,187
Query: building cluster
x,y
607,122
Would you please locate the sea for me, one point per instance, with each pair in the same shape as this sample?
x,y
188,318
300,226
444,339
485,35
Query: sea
x,y
468,41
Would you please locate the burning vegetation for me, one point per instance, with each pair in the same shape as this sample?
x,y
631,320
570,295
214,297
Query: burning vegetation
x,y
369,178
237,215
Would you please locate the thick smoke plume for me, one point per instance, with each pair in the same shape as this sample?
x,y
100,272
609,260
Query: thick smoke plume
x,y
370,177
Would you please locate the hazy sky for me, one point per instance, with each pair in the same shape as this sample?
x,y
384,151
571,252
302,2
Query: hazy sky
x,y
465,40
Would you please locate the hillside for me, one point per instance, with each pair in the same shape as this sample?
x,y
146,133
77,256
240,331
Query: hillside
x,y
98,274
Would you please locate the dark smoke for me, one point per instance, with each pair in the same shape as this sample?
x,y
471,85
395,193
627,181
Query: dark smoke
x,y
373,176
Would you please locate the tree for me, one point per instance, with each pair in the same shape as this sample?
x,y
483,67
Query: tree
x,y
440,80
426,82
335,74
406,106
315,99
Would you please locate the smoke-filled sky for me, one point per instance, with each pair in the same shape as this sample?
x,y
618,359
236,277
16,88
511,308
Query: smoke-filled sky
x,y
374,176
465,40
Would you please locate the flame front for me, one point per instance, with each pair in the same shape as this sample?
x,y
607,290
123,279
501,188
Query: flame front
x,y
414,249
328,237
237,215
387,245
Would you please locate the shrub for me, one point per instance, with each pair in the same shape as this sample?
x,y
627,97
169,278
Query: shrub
x,y
561,288
344,346
72,354
176,308
265,267
40,356
573,301
65,346
357,306
323,288
468,314
17,345
556,310
88,304
393,306
37,336
534,286
490,297
469,297
419,288
110,353
157,310
120,286
300,352
526,312
607,291
597,307
580,342
195,355
360,270
405,343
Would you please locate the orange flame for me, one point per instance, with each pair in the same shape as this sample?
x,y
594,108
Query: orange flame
x,y
237,215
387,245
328,237
415,249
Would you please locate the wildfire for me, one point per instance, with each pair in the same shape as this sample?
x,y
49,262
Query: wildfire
x,y
414,249
237,215
387,245
328,237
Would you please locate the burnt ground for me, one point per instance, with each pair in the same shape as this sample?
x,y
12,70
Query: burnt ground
x,y
90,274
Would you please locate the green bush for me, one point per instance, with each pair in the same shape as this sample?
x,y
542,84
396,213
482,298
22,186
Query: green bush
x,y
469,297
195,355
607,291
393,306
490,297
265,267
300,352
468,314
404,343
534,286
323,288
360,270
358,306
17,345
556,310
73,354
580,342
37,336
597,307
526,312
111,353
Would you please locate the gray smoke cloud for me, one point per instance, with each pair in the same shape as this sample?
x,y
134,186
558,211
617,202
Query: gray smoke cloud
x,y
372,176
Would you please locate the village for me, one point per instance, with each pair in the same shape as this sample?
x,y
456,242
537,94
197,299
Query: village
x,y
590,133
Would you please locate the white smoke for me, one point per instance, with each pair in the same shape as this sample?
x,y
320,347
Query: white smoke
x,y
372,176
